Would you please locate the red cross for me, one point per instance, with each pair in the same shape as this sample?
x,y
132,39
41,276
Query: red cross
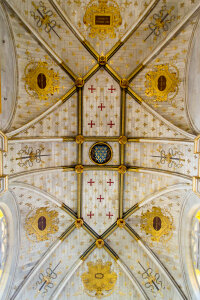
x,y
101,106
110,182
100,198
109,215
91,124
112,89
111,124
90,215
91,182
91,89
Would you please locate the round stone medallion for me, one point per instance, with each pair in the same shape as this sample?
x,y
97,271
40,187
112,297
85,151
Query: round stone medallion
x,y
101,153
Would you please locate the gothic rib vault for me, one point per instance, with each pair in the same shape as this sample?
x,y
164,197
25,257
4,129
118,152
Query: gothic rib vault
x,y
99,150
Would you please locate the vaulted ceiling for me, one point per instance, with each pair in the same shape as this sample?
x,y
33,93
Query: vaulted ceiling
x,y
99,122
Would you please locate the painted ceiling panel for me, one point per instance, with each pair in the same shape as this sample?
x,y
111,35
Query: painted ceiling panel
x,y
136,258
62,259
140,186
58,36
177,158
123,288
8,89
171,62
100,198
149,35
140,123
101,38
101,106
36,156
57,183
165,243
61,122
33,207
32,60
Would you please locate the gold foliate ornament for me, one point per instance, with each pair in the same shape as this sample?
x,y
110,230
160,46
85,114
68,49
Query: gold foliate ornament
x,y
102,17
121,223
162,83
79,82
41,80
41,224
124,83
122,139
122,169
79,223
158,223
80,139
99,243
79,169
102,60
99,281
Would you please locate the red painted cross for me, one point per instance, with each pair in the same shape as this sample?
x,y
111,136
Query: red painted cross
x,y
109,215
110,182
90,215
100,198
101,106
91,89
111,124
112,89
91,124
91,182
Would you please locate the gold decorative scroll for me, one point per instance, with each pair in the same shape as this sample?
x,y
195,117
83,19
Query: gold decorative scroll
x,y
162,83
34,233
162,231
40,80
102,17
99,281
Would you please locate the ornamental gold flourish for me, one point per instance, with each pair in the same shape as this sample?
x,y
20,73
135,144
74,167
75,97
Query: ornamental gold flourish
x,y
31,73
102,8
165,233
99,281
171,89
31,224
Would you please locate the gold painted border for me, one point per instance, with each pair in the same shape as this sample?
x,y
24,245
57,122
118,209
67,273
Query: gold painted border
x,y
102,143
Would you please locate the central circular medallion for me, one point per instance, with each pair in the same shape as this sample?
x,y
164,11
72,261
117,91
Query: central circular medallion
x,y
101,153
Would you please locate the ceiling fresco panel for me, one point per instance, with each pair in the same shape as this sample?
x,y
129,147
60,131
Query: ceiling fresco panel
x,y
59,184
56,34
140,186
53,220
121,289
138,261
176,158
33,60
164,240
141,123
8,76
171,63
103,39
150,34
34,156
100,199
101,106
61,122
62,259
